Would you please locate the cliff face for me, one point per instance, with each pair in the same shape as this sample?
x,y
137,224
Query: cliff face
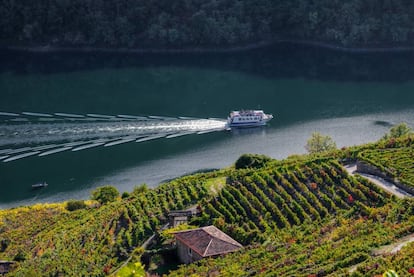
x,y
206,24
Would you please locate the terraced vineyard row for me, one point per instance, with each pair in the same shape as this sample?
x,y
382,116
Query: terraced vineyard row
x,y
397,162
275,198
94,241
339,246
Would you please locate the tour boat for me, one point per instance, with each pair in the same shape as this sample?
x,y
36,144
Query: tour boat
x,y
248,118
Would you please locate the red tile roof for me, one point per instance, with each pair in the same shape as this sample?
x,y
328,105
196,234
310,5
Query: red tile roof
x,y
208,241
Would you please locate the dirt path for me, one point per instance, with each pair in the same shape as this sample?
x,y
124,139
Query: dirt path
x,y
388,249
388,186
394,247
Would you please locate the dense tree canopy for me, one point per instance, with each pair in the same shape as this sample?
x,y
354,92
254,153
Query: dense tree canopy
x,y
204,23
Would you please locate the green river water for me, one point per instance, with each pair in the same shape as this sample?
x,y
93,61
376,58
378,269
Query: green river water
x,y
354,98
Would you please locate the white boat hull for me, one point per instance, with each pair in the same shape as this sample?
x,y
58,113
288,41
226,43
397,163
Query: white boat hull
x,y
247,124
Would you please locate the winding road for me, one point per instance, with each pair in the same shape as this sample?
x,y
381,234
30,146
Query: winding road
x,y
384,184
391,188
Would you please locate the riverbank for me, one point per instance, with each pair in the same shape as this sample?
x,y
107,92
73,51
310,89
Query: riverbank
x,y
230,49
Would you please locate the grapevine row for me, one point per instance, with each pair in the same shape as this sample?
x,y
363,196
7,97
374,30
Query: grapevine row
x,y
278,198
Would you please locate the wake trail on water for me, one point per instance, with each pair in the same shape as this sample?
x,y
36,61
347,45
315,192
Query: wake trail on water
x,y
28,134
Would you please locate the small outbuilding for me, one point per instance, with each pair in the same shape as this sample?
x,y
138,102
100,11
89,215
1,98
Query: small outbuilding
x,y
181,216
196,244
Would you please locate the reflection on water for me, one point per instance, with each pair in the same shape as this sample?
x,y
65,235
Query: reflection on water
x,y
282,60
249,131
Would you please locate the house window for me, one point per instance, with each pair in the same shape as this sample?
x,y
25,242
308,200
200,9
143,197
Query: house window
x,y
190,252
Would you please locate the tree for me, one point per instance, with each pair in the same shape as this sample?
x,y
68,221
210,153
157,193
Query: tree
x,y
319,143
397,131
105,194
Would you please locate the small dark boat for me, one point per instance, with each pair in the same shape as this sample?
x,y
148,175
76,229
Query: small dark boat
x,y
39,185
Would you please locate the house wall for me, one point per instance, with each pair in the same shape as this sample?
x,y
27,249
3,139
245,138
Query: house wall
x,y
177,220
185,254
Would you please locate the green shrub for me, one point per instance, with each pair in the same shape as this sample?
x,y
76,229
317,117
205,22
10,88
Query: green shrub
x,y
105,194
73,205
251,161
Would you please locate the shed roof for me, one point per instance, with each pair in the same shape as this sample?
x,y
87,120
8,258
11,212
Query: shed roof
x,y
208,241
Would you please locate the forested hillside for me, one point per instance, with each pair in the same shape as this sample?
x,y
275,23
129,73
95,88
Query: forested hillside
x,y
164,24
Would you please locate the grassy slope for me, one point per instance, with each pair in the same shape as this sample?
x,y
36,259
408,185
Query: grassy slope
x,y
329,239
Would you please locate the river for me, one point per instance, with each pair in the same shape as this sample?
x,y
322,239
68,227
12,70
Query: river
x,y
354,98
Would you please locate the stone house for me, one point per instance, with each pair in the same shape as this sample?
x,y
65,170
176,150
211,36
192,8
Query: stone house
x,y
196,244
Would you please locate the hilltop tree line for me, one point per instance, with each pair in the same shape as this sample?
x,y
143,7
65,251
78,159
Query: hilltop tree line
x,y
204,23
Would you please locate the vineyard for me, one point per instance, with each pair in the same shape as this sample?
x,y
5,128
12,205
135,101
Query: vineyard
x,y
310,218
396,162
256,203
337,246
49,240
305,216
304,220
